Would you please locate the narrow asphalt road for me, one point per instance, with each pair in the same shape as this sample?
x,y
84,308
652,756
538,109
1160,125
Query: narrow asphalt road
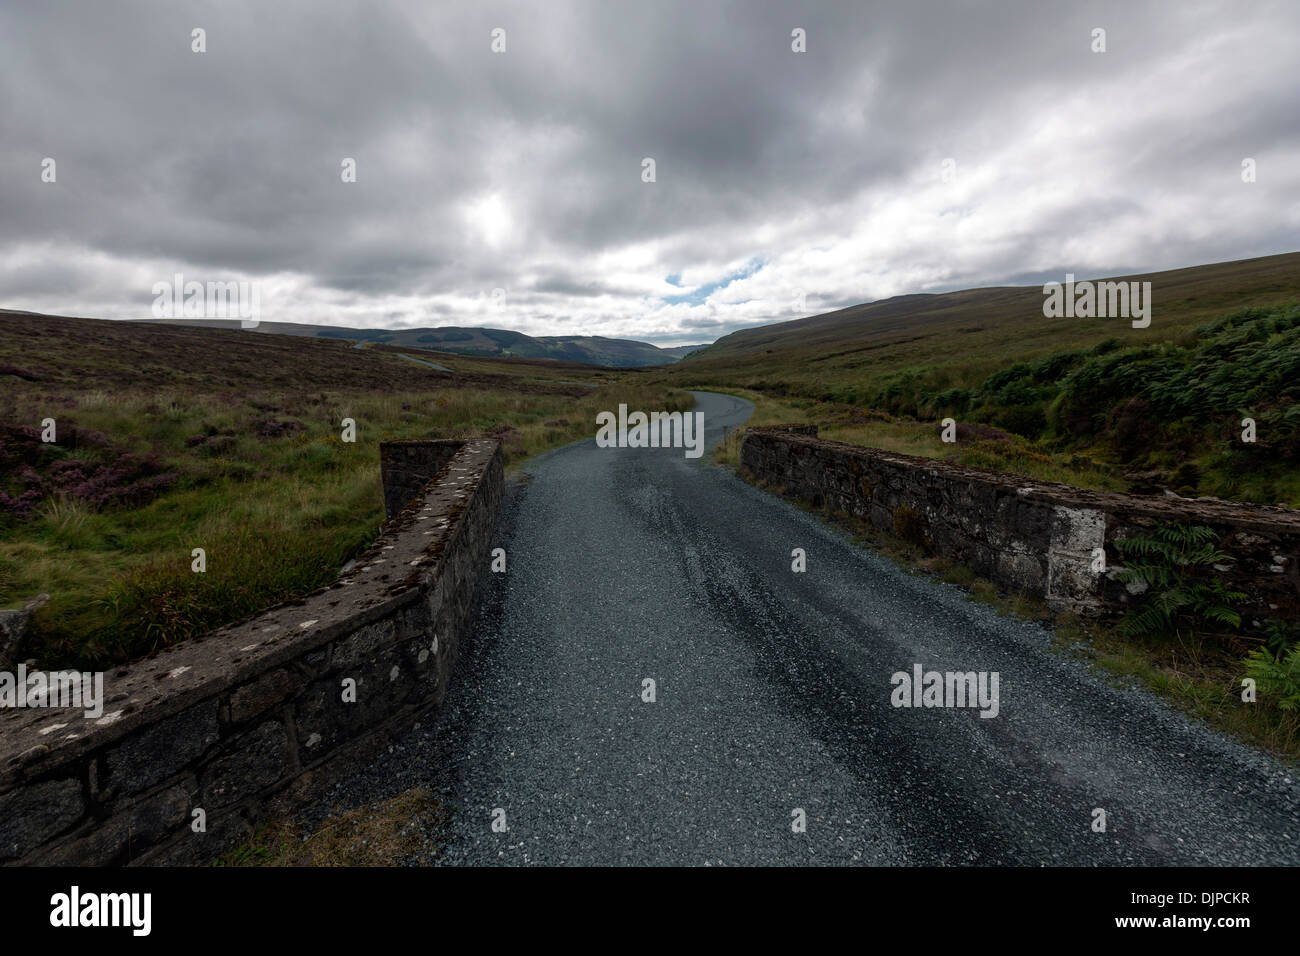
x,y
772,703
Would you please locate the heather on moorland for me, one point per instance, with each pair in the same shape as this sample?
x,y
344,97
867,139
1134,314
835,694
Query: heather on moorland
x,y
168,439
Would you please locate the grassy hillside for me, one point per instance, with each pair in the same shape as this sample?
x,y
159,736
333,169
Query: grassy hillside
x,y
485,342
1093,402
172,438
991,323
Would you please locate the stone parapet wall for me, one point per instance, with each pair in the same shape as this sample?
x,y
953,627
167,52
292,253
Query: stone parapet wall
x,y
252,721
407,466
1030,536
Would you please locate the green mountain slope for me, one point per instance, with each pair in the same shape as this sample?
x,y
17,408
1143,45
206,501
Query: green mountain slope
x,y
1090,401
968,335
485,342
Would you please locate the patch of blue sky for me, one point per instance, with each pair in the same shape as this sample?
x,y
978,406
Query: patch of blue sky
x,y
700,293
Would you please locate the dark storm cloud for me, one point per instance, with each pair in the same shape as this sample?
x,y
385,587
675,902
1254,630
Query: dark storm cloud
x,y
521,171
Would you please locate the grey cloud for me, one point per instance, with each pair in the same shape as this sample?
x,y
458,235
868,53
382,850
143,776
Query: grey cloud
x,y
229,161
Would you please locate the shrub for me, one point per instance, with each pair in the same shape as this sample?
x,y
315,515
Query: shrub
x,y
1132,427
1277,677
1280,636
1052,368
953,401
909,525
968,432
1026,420
1171,563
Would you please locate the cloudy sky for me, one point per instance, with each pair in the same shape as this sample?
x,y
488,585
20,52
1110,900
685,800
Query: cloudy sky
x,y
914,146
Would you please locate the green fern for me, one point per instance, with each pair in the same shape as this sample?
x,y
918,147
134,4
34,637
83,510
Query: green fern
x,y
1171,562
1277,677
1280,635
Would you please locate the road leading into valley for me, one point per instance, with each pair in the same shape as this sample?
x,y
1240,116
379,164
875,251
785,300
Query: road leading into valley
x,y
772,702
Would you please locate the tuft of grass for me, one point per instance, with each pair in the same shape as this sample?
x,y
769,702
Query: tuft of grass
x,y
386,833
65,519
1197,675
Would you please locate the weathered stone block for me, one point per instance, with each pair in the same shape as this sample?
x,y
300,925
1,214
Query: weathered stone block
x,y
324,720
260,695
31,815
362,645
255,761
154,754
222,832
128,832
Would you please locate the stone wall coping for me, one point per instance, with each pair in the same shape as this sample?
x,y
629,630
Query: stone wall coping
x,y
397,570
1211,510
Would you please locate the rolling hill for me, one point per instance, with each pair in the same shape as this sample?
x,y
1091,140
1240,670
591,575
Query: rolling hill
x,y
1001,323
482,342
908,346
1088,401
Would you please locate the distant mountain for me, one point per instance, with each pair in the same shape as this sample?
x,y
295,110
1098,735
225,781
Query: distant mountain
x,y
495,343
681,351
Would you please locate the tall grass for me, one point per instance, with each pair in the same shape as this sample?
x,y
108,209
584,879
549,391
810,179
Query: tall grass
x,y
265,486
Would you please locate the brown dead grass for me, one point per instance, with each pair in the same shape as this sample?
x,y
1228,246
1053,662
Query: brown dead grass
x,y
382,834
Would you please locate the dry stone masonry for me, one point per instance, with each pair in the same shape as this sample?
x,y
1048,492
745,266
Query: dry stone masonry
x,y
1029,536
251,720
